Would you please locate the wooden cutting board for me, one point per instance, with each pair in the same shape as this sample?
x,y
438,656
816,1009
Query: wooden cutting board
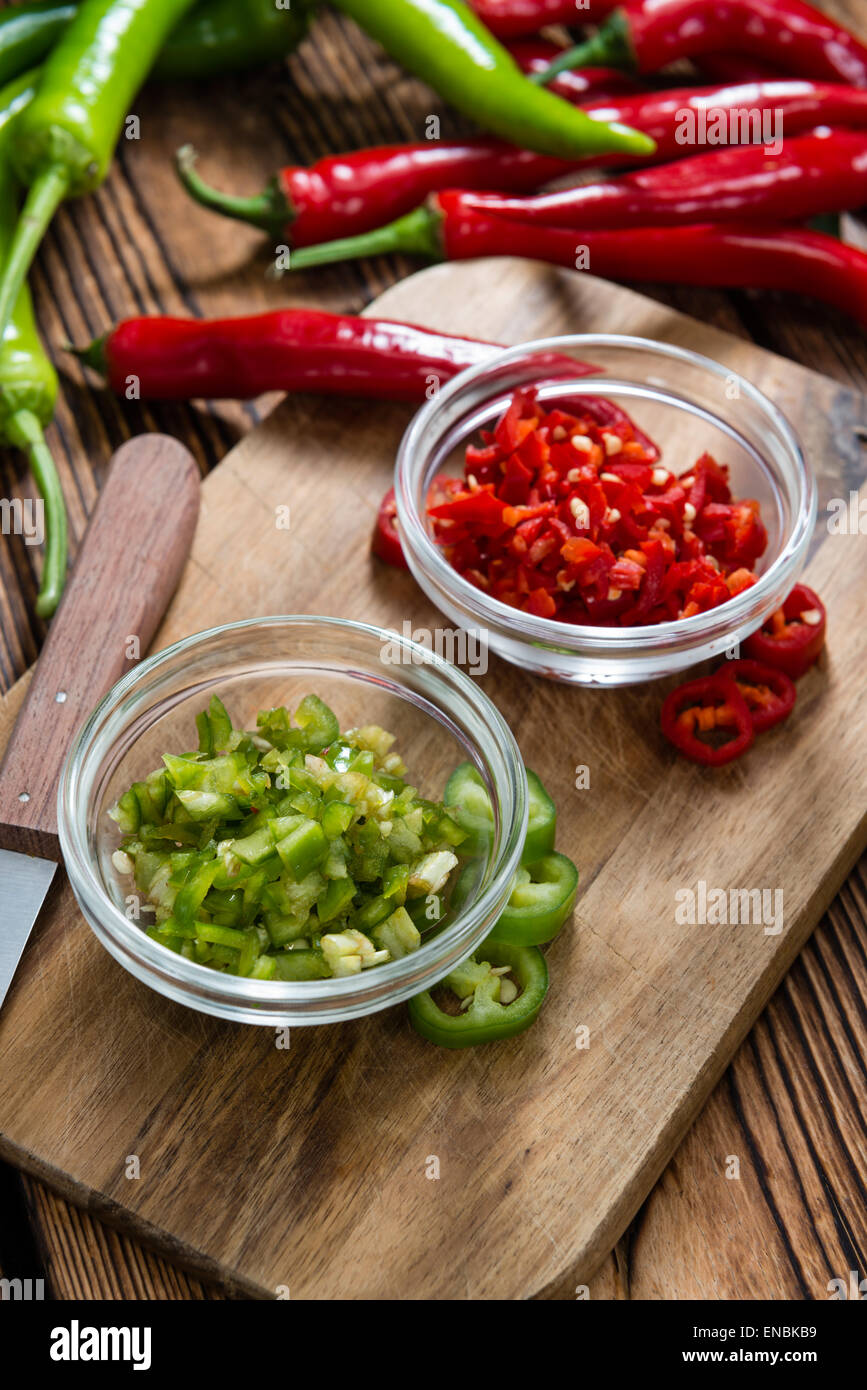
x,y
362,1162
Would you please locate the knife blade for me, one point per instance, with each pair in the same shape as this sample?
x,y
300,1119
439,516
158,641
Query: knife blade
x,y
128,567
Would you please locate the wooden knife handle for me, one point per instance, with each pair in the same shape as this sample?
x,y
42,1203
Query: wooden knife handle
x,y
128,567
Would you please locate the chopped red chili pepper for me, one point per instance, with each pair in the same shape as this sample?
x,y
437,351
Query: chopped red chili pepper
x,y
568,513
386,538
709,706
792,638
769,694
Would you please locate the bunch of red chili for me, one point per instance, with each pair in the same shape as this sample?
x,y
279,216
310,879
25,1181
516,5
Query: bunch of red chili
x,y
568,514
715,719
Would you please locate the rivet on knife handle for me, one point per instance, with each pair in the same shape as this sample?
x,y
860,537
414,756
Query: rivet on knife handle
x,y
126,571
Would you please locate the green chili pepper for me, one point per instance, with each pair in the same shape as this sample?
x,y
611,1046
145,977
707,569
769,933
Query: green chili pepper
x,y
467,798
28,32
446,44
542,899
478,989
28,382
217,36
64,139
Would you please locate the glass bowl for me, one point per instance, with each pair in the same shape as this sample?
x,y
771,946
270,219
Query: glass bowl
x,y
684,401
368,675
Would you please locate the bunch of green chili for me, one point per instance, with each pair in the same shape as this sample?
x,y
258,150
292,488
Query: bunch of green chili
x,y
28,383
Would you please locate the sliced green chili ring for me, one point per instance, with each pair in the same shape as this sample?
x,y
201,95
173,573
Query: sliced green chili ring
x,y
485,1019
467,799
542,899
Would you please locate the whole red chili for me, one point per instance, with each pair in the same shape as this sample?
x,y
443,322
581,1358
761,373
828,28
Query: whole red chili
x,y
386,537
823,172
769,693
792,638
508,18
285,350
763,256
346,194
710,706
647,35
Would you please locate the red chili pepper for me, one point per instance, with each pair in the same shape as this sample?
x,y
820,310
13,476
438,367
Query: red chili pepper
x,y
348,194
792,638
285,350
647,35
770,694
344,194
710,705
509,18
386,542
764,256
823,172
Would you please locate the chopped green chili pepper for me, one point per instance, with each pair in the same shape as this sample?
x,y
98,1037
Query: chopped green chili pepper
x,y
467,797
28,382
541,901
495,994
287,853
447,45
65,137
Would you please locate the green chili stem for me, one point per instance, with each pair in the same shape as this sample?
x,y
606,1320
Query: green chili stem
x,y
25,432
416,234
43,199
610,47
270,210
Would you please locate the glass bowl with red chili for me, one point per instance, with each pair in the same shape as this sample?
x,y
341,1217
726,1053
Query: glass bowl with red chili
x,y
604,529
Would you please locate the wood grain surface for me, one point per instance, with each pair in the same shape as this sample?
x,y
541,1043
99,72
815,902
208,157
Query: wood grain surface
x,y
139,245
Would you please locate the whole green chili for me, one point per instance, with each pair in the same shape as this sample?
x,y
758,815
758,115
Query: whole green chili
x,y
28,383
64,139
448,46
217,36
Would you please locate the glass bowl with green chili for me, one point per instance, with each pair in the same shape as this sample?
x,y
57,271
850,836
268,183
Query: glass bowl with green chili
x,y
253,820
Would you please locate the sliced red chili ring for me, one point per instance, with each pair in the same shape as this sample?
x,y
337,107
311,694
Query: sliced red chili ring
x,y
386,538
770,694
710,704
792,638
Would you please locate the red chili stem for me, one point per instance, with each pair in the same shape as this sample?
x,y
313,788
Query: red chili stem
x,y
808,176
285,350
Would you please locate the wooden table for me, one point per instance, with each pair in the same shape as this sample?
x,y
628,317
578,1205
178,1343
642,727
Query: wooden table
x,y
791,1106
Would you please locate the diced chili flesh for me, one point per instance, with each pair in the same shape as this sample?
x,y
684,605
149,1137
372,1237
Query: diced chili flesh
x,y
567,518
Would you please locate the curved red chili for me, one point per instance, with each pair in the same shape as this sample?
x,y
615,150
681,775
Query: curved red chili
x,y
770,255
792,638
823,172
710,705
769,693
646,35
344,194
285,350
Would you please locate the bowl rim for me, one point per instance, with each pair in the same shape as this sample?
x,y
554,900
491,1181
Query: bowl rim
x,y
573,636
351,996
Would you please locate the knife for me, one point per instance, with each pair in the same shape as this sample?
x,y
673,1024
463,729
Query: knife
x,y
128,567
